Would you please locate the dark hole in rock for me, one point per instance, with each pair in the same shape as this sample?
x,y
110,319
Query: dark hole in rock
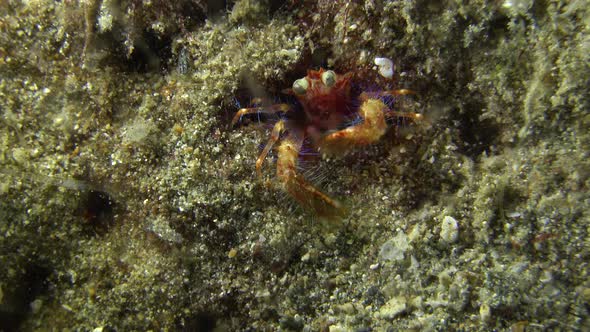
x,y
97,209
200,322
16,302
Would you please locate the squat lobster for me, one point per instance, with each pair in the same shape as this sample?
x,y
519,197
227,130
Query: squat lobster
x,y
327,105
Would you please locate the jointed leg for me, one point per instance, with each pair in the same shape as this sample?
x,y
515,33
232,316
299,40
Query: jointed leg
x,y
392,114
399,92
274,137
261,109
297,186
406,115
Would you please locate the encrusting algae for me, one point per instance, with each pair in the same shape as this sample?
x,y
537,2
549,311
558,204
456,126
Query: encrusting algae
x,y
130,203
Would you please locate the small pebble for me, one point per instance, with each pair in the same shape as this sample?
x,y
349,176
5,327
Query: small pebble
x,y
305,257
449,231
385,67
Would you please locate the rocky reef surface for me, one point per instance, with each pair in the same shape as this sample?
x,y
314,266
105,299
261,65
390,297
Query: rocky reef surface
x,y
128,202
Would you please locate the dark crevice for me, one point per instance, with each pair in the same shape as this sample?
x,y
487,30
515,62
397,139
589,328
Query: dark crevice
x,y
150,52
477,135
97,209
16,304
199,322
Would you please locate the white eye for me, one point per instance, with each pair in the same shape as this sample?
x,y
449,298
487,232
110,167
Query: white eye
x,y
329,78
300,86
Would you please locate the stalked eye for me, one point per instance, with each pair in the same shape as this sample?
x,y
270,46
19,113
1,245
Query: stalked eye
x,y
300,86
329,78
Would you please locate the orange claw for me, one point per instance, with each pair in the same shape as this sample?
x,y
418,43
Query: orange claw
x,y
308,196
368,131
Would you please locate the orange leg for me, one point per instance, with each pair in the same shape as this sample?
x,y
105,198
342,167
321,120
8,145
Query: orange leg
x,y
391,114
262,109
274,137
400,92
297,186
407,115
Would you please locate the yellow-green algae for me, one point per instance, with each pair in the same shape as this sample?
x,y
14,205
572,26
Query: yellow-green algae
x,y
124,191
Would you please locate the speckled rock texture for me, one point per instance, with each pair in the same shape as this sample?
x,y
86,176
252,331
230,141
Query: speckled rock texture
x,y
128,202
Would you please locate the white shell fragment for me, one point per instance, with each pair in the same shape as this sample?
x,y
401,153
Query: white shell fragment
x,y
449,231
385,67
394,249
